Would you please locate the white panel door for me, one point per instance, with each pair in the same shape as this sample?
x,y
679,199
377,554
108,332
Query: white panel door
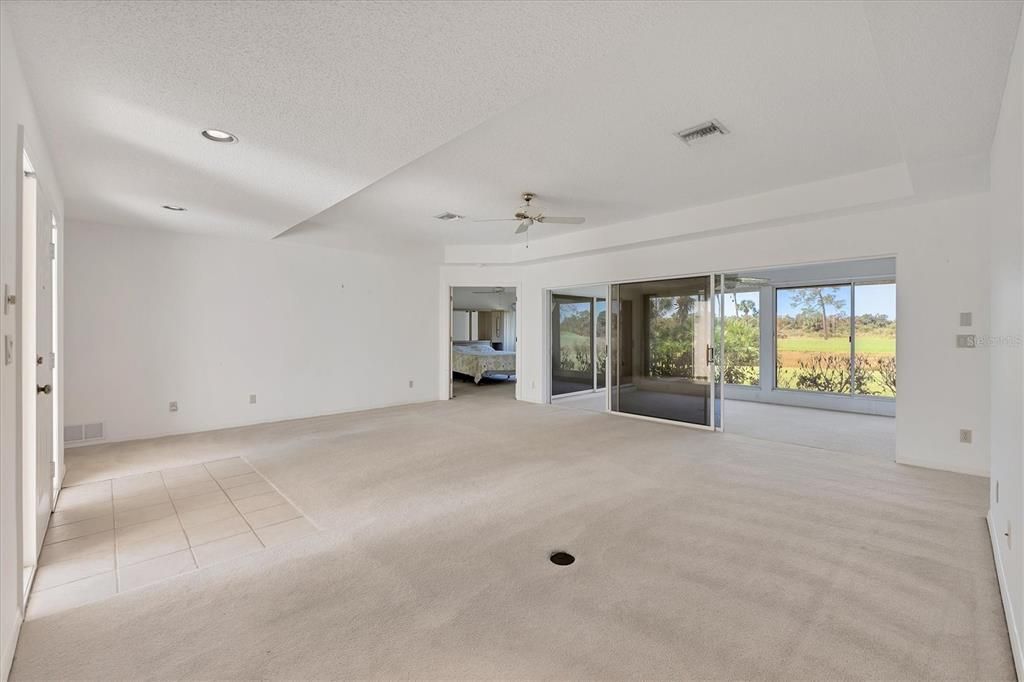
x,y
45,412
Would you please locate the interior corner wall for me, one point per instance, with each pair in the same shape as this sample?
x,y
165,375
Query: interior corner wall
x,y
16,109
1006,348
154,316
942,255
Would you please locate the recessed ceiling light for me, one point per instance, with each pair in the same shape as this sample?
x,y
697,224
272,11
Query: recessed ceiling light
x,y
214,135
169,207
449,216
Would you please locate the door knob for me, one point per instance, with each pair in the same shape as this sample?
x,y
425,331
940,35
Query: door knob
x,y
44,389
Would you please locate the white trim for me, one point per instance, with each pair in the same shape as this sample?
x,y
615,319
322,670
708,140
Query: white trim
x,y
238,425
9,648
943,466
448,284
1011,620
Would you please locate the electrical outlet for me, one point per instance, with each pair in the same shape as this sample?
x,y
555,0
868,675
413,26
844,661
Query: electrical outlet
x,y
966,435
252,398
173,406
410,383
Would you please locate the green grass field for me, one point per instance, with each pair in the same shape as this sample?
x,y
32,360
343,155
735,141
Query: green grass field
x,y
570,339
866,343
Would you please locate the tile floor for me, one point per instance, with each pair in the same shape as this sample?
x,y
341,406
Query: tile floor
x,y
118,535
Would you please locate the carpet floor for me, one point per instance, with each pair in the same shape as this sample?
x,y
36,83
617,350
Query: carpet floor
x,y
699,555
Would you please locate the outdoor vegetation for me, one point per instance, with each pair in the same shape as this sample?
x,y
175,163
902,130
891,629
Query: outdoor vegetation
x,y
574,338
813,335
670,336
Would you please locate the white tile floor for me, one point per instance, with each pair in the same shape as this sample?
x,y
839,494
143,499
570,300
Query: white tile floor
x,y
118,535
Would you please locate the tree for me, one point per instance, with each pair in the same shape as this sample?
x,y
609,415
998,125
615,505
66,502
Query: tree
x,y
815,300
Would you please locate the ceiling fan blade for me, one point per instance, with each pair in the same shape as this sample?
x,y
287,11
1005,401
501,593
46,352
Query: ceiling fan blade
x,y
561,221
495,220
524,226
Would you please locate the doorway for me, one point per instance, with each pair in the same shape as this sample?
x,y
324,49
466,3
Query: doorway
x,y
664,350
810,355
482,353
578,328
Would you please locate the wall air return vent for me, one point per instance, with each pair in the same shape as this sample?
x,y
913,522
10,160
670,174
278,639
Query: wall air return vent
x,y
73,433
79,432
703,132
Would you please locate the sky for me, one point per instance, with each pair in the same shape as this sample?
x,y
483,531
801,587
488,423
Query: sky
x,y
871,298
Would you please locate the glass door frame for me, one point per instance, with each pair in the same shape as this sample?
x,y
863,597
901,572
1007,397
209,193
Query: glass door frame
x,y
714,350
553,308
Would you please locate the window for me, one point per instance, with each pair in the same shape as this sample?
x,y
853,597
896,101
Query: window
x,y
874,339
812,338
572,344
601,340
837,338
742,319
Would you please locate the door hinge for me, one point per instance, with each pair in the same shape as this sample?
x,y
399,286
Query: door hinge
x,y
53,251
9,298
53,360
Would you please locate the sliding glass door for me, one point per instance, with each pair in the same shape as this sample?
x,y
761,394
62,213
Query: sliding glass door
x,y
663,347
572,344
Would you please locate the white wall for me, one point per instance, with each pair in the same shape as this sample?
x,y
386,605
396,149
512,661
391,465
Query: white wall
x,y
941,251
16,109
156,316
464,298
1006,351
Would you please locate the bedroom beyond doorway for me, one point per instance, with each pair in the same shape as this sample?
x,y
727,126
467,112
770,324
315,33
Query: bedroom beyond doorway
x,y
483,342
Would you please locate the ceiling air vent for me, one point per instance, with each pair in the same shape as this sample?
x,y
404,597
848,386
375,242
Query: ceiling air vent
x,y
449,216
702,132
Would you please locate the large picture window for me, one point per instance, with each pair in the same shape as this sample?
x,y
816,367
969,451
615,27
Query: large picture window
x,y
836,338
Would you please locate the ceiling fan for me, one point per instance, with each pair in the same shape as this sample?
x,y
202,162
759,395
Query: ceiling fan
x,y
528,217
733,282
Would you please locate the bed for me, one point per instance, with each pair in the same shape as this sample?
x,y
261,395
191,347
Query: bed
x,y
479,359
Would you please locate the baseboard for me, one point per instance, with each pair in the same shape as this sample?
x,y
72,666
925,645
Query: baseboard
x,y
238,425
953,468
10,647
1011,620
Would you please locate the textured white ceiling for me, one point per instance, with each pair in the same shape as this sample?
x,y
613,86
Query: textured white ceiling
x,y
326,97
809,90
360,121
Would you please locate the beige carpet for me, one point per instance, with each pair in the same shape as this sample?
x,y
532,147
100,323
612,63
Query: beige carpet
x,y
698,556
827,429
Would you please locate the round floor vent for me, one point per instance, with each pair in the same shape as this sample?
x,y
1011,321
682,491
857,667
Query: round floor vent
x,y
562,558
